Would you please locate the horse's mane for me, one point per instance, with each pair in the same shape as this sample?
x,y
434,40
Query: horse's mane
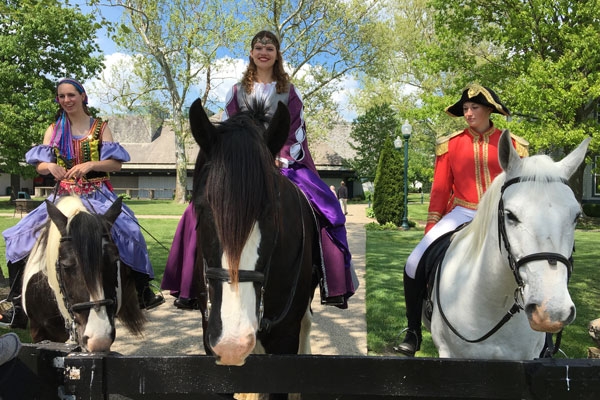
x,y
240,181
538,170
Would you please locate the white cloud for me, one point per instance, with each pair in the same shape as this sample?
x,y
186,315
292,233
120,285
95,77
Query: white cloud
x,y
118,76
348,87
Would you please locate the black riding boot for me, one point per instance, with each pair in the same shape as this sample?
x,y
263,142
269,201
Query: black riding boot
x,y
147,298
413,297
15,317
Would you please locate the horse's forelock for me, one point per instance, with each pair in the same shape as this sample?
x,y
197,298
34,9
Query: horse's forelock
x,y
87,231
239,183
538,170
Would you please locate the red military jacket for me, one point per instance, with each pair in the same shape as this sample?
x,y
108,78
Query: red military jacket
x,y
466,164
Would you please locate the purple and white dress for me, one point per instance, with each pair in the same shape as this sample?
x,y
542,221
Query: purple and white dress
x,y
299,167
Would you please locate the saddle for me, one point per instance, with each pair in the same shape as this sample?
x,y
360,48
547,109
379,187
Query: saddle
x,y
430,263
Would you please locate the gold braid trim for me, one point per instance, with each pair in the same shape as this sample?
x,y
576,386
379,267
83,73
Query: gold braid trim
x,y
441,143
433,217
521,145
475,90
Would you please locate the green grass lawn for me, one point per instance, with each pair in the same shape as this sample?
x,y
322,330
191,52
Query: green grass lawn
x,y
387,251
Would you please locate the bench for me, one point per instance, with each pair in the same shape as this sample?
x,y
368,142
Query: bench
x,y
25,205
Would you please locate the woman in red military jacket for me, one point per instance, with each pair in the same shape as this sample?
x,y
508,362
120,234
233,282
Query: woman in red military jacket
x,y
465,166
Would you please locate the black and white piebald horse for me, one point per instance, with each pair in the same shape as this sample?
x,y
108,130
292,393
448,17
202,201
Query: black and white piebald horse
x,y
73,283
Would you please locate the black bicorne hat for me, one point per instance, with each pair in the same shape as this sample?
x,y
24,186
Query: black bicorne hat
x,y
480,95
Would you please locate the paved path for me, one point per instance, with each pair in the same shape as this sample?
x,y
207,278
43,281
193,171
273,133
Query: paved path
x,y
172,332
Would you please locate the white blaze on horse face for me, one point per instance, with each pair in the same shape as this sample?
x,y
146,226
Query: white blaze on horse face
x,y
98,334
546,298
238,309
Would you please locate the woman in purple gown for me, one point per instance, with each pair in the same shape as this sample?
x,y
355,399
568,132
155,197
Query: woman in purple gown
x,y
266,82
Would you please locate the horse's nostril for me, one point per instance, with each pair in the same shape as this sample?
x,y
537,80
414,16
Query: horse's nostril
x,y
530,309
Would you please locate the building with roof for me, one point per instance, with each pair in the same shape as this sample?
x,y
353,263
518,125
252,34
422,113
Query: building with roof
x,y
151,171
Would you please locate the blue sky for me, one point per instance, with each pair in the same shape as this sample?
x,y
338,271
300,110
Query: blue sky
x,y
116,57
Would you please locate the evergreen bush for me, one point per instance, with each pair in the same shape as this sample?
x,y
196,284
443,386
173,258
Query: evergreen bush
x,y
388,199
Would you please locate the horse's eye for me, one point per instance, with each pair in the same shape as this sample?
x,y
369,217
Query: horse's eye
x,y
67,265
511,217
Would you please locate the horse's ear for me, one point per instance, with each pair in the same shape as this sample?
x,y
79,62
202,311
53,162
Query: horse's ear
x,y
59,219
571,162
279,128
202,129
507,154
115,209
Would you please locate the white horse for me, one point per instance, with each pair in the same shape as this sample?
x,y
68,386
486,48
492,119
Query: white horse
x,y
513,256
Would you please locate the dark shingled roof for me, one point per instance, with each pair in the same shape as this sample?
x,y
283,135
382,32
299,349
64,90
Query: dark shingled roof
x,y
151,144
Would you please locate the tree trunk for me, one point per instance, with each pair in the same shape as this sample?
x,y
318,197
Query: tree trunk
x,y
181,170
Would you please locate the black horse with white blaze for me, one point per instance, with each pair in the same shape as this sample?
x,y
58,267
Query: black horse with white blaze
x,y
257,239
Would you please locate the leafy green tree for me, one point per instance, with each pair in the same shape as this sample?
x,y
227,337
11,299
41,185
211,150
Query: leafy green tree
x,y
388,199
323,42
175,43
542,55
369,133
40,41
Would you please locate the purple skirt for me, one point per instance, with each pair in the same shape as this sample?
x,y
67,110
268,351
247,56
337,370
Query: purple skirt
x,y
179,271
126,232
336,254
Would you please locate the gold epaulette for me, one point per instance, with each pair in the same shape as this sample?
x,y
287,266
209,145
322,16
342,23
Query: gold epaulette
x,y
441,143
521,145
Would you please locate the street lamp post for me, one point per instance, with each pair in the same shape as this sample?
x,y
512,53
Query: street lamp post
x,y
406,131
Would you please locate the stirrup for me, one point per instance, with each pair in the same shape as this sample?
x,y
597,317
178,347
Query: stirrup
x,y
148,302
11,316
406,347
7,311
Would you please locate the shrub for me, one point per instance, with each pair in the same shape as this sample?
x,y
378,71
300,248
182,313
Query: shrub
x,y
591,210
388,199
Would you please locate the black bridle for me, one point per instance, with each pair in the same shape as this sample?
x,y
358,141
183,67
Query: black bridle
x,y
260,278
71,325
514,265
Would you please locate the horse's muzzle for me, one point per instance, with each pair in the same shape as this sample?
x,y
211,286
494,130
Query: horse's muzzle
x,y
541,320
235,350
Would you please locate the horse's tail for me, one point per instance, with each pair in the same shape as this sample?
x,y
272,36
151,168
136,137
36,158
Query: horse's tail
x,y
239,187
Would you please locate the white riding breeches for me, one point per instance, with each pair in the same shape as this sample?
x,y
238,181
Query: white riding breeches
x,y
452,220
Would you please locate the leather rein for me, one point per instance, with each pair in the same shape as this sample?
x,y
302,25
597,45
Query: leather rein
x,y
259,278
514,265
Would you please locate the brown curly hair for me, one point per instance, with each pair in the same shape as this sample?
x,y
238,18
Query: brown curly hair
x,y
282,78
